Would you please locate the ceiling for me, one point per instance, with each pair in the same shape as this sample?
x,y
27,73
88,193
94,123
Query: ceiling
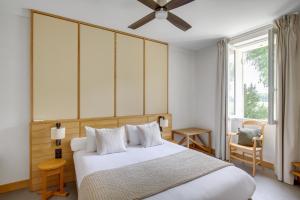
x,y
211,19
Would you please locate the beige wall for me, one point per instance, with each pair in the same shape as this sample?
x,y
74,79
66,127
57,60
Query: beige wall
x,y
156,73
54,68
96,72
83,71
130,75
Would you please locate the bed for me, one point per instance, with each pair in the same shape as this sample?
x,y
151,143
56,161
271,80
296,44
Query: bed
x,y
229,183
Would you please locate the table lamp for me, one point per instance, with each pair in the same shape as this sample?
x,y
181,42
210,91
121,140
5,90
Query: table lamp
x,y
163,122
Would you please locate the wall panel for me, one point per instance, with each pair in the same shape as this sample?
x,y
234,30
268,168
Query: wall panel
x,y
55,67
156,77
96,72
130,75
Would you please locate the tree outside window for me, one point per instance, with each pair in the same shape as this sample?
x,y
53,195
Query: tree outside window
x,y
256,92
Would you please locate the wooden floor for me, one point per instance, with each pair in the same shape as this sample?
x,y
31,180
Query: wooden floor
x,y
268,188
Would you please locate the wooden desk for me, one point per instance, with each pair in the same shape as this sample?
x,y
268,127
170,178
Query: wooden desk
x,y
50,168
190,135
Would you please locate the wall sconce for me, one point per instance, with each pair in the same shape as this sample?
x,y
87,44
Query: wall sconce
x,y
58,133
163,122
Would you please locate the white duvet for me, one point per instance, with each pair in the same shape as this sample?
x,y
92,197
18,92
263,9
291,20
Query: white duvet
x,y
229,183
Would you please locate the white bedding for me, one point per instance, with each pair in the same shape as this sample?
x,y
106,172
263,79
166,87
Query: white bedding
x,y
229,183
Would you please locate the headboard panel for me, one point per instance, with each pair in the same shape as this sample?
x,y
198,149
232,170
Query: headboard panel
x,y
98,123
42,147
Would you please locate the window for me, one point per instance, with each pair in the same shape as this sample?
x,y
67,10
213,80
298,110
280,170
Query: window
x,y
251,78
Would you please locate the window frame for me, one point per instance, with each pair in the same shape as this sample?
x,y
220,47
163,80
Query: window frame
x,y
272,85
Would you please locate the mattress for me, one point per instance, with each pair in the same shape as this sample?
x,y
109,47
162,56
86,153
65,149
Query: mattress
x,y
229,183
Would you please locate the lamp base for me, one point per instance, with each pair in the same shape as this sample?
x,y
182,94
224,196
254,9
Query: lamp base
x,y
58,153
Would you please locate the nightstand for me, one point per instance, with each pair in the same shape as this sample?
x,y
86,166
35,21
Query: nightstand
x,y
190,135
50,168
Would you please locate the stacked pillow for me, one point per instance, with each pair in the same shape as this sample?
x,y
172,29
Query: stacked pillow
x,y
146,135
150,134
106,141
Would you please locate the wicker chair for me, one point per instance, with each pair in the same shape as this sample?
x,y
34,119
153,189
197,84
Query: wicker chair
x,y
248,154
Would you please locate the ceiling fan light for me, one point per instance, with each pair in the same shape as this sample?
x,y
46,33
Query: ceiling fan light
x,y
161,14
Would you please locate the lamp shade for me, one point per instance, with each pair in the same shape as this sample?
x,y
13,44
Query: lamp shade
x,y
163,123
58,133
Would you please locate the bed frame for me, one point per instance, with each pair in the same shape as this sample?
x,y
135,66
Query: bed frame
x,y
42,147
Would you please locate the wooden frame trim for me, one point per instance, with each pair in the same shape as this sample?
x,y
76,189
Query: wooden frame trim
x,y
14,186
115,74
144,76
93,25
79,23
78,72
31,91
31,66
167,78
97,118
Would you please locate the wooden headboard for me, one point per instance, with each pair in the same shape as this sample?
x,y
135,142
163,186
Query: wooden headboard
x,y
42,147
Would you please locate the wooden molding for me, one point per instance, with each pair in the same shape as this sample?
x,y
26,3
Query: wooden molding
x,y
14,186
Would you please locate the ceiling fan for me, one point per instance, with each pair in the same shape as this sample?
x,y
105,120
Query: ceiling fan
x,y
162,11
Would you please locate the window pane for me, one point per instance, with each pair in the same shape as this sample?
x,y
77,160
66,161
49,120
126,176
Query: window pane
x,y
255,74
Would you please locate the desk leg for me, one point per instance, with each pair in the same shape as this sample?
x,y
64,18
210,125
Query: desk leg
x,y
187,141
44,186
61,180
172,135
61,191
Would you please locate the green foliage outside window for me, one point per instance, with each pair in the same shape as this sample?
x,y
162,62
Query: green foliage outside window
x,y
253,106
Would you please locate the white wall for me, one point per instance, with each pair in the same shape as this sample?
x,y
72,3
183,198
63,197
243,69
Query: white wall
x,y
14,98
205,89
206,79
181,86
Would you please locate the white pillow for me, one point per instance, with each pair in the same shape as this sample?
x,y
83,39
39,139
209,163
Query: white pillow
x,y
151,135
110,140
78,144
90,139
134,134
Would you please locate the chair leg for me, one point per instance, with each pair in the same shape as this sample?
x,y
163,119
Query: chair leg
x,y
261,159
254,164
229,154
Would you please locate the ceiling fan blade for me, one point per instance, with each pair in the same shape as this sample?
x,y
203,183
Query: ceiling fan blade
x,y
176,3
178,22
142,21
150,3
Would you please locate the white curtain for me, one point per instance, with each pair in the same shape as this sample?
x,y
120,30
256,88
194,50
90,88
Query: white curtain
x,y
221,100
288,53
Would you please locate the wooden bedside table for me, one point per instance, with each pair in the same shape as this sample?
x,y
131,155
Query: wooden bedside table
x,y
50,168
189,136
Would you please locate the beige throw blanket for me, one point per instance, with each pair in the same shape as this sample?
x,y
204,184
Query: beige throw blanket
x,y
142,180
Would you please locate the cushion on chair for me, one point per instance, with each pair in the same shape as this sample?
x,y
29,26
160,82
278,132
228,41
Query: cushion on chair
x,y
247,134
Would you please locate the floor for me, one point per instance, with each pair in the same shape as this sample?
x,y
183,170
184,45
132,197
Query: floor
x,y
267,189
